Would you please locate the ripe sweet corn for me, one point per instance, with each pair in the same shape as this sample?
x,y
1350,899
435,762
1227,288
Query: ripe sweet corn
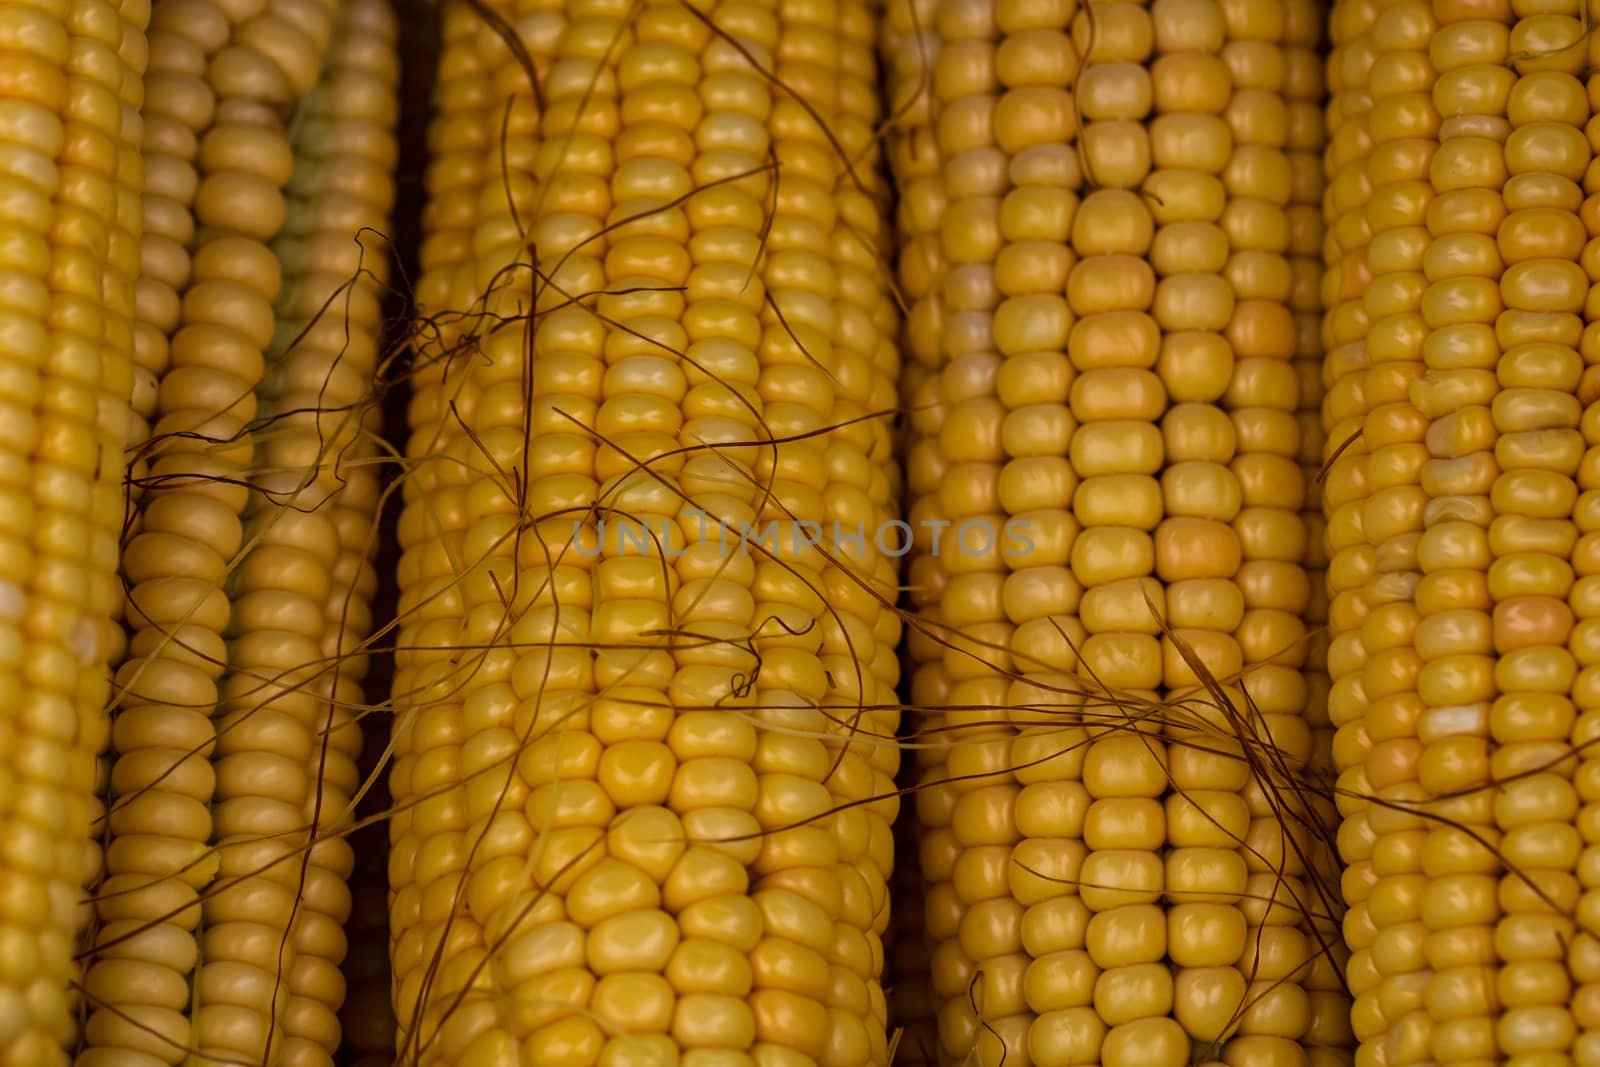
x,y
74,77
624,736
1245,447
1461,694
1106,350
211,738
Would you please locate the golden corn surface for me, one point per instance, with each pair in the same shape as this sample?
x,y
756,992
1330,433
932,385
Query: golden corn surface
x,y
644,745
1155,443
211,783
1458,333
1108,243
74,78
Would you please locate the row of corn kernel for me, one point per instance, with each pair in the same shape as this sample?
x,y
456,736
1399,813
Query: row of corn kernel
x,y
1402,126
1454,952
1538,451
1345,251
1206,64
122,430
912,42
936,56
1028,817
862,631
1147,75
1306,127
1262,1012
1329,1028
913,39
314,467
998,101
1154,504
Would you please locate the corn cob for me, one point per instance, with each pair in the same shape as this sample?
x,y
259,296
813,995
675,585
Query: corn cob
x,y
65,424
222,79
621,822
1466,352
1174,441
